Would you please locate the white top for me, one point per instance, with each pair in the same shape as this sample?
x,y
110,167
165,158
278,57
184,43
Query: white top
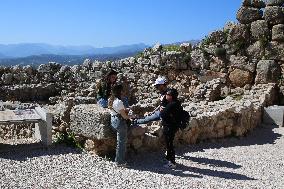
x,y
117,106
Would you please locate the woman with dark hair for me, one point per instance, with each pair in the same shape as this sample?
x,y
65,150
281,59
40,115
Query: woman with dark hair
x,y
169,117
104,88
118,122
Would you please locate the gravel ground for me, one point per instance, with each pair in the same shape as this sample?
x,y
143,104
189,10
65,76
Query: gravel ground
x,y
255,161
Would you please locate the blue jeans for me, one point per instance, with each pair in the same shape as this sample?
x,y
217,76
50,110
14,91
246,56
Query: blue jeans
x,y
103,102
153,117
119,124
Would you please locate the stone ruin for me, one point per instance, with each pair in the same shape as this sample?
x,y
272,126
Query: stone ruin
x,y
225,81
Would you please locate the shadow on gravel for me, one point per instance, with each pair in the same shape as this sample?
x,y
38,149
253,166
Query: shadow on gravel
x,y
259,136
215,173
21,152
154,164
212,162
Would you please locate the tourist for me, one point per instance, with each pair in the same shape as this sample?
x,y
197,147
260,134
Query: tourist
x,y
169,116
104,88
161,85
118,122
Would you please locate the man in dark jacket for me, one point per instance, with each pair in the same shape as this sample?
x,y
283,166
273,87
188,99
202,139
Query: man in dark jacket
x,y
161,86
170,123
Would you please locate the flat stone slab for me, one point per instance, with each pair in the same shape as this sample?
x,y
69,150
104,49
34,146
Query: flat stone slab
x,y
92,121
273,115
11,116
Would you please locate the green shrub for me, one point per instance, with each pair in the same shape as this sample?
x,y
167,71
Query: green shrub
x,y
220,52
68,139
168,48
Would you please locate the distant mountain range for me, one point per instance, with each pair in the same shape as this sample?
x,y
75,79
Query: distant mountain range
x,y
41,53
30,49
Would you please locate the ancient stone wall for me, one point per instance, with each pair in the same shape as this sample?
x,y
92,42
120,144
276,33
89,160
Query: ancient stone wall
x,y
230,64
209,120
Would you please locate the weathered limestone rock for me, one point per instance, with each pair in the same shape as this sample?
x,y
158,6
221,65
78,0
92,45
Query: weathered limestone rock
x,y
247,15
91,121
268,71
274,2
274,15
28,92
255,50
216,64
278,32
240,78
198,60
275,51
155,60
242,62
239,33
210,91
253,3
259,29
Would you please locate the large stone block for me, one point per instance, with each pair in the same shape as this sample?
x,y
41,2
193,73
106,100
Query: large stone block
x,y
259,29
91,121
273,115
274,15
278,32
247,15
268,71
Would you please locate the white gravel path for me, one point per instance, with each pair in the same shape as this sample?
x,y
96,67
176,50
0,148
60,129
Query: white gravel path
x,y
255,161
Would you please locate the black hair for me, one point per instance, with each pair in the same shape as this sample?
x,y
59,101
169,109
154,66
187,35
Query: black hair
x,y
173,93
111,72
116,92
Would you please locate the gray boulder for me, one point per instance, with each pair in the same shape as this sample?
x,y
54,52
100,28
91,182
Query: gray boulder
x,y
247,15
238,33
274,2
267,71
278,32
255,50
273,15
241,62
259,29
91,121
275,51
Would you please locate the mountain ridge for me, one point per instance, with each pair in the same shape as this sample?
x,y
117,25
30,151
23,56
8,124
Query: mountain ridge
x,y
29,49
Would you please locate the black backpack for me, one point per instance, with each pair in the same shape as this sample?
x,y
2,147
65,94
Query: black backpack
x,y
184,119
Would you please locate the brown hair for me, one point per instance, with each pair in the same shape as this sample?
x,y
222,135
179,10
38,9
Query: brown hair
x,y
116,92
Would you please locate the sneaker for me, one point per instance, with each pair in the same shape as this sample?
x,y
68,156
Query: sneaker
x,y
170,165
125,165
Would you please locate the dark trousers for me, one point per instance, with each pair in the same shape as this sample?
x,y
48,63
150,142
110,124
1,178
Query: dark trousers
x,y
169,135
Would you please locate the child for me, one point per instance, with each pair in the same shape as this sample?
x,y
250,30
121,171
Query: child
x,y
170,125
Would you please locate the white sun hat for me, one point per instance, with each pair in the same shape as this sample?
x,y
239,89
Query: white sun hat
x,y
160,81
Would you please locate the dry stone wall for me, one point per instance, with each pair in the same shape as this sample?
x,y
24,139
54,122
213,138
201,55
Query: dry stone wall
x,y
228,63
209,120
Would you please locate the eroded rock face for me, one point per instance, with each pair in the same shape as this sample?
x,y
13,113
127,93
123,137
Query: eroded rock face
x,y
268,71
91,120
274,2
278,32
240,78
274,15
259,29
247,15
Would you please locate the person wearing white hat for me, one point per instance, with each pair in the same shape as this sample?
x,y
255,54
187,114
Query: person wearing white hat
x,y
161,85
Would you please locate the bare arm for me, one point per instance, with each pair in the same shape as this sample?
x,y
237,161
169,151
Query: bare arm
x,y
123,114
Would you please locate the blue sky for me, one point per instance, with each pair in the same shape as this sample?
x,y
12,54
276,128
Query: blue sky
x,y
103,23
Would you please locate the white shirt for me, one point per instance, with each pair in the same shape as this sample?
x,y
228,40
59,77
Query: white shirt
x,y
117,106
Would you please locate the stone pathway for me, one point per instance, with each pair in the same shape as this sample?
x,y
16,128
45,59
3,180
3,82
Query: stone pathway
x,y
255,161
